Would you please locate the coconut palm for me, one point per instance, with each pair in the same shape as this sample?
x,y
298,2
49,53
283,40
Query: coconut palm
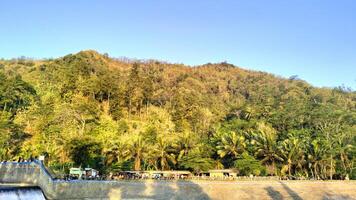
x,y
162,154
117,151
185,143
231,144
266,146
197,161
137,149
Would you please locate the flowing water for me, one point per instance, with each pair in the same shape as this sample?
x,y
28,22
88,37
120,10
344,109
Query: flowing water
x,y
31,193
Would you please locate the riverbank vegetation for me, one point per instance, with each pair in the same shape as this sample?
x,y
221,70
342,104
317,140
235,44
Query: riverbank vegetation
x,y
88,109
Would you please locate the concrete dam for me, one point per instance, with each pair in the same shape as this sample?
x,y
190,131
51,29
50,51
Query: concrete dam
x,y
35,174
39,184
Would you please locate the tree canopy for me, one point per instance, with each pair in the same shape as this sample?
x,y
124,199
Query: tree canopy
x,y
87,109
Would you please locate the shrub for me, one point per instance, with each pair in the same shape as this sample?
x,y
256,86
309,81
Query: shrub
x,y
247,164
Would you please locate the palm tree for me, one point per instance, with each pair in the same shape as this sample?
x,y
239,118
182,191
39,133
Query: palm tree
x,y
265,142
293,153
197,161
116,151
231,144
185,143
137,149
162,154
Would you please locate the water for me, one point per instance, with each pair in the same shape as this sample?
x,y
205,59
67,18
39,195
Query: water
x,y
21,194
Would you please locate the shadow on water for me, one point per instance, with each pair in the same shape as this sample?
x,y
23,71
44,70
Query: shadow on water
x,y
292,194
274,194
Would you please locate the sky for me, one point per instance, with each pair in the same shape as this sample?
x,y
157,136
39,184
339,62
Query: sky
x,y
314,39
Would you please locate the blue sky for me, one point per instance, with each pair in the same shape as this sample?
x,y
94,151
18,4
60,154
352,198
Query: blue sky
x,y
314,39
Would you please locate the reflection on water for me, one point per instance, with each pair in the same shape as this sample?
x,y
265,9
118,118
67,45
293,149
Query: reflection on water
x,y
21,194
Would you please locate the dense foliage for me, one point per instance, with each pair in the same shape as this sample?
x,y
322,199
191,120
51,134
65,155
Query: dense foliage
x,y
116,114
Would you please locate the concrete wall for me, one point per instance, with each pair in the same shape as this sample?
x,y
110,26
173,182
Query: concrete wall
x,y
35,174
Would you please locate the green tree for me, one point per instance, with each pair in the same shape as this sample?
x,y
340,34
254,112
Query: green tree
x,y
138,150
162,153
85,152
266,146
198,160
293,152
231,144
247,164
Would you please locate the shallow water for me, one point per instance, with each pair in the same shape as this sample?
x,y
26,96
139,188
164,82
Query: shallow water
x,y
21,194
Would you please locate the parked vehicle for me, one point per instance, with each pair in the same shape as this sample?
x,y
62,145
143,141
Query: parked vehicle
x,y
90,174
75,173
87,173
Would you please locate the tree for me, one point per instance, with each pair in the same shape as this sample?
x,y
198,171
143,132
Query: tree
x,y
134,92
231,144
266,147
85,152
293,152
11,137
144,114
186,142
317,152
247,164
138,150
198,160
15,93
162,153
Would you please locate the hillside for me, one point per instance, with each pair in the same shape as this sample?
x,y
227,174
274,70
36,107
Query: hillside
x,y
116,114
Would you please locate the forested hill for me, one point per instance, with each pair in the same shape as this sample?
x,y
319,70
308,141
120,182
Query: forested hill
x,y
118,114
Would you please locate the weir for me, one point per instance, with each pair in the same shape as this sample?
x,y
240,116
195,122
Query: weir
x,y
21,193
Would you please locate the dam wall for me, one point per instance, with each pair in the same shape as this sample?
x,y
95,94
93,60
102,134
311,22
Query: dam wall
x,y
35,174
